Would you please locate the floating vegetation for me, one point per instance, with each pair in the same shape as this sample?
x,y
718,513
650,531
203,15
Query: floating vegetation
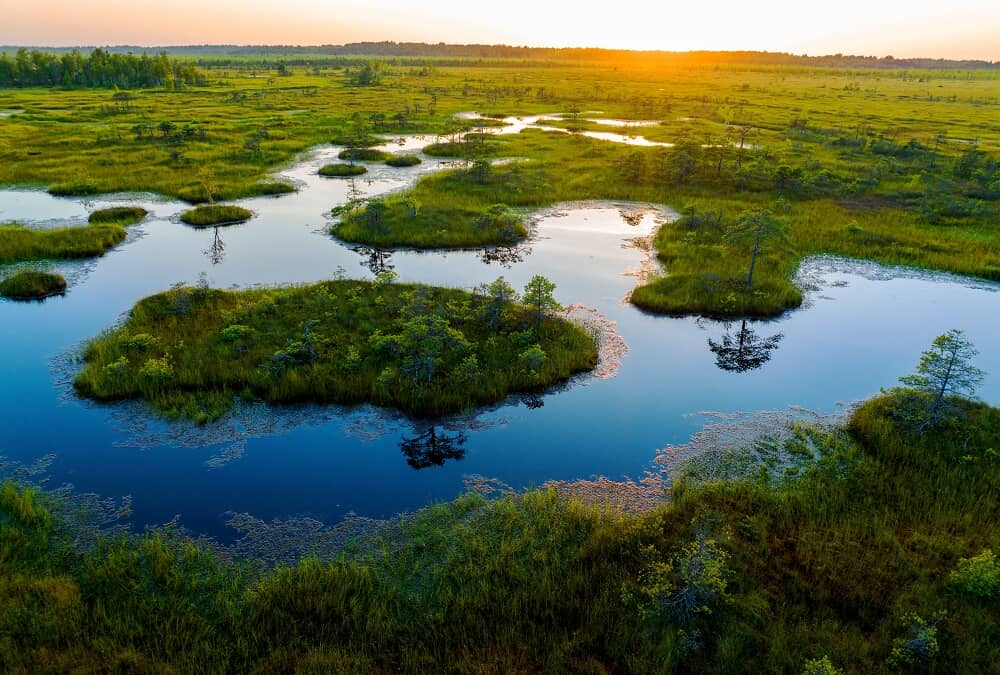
x,y
342,170
403,160
216,214
124,215
32,285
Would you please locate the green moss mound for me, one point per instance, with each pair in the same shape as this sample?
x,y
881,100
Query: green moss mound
x,y
342,170
126,215
363,154
403,160
18,243
216,214
424,350
32,285
272,187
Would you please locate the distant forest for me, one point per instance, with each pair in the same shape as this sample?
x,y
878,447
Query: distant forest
x,y
100,68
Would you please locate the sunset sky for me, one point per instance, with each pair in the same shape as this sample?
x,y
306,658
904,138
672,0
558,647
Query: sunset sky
x,y
958,29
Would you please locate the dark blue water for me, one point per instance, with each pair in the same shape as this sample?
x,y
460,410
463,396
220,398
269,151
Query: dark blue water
x,y
863,327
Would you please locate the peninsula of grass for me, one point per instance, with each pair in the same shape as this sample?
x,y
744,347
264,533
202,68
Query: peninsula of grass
x,y
363,155
123,215
403,160
877,555
473,145
32,285
424,350
337,170
216,214
19,243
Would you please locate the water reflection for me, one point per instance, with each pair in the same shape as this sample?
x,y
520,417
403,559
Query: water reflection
x,y
743,351
532,401
216,253
432,448
376,260
505,256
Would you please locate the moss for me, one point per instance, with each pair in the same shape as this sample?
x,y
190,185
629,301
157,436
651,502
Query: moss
x,y
216,214
341,170
125,215
32,285
403,160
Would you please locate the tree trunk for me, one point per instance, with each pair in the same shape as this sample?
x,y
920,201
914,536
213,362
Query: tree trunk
x,y
753,263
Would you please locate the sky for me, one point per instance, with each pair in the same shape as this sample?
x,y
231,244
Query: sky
x,y
955,29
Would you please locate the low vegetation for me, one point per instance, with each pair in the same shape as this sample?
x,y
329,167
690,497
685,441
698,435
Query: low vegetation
x,y
32,285
363,155
18,243
342,170
216,214
875,557
425,350
123,215
403,160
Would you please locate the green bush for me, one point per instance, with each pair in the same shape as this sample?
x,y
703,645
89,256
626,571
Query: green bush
x,y
978,576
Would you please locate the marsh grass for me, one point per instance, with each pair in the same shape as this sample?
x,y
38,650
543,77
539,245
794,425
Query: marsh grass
x,y
216,214
123,215
403,160
32,285
19,243
342,170
363,155
829,564
424,350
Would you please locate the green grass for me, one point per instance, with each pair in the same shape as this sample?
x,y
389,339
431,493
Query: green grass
x,y
874,163
32,285
342,170
403,160
363,154
124,215
424,350
830,563
216,214
18,243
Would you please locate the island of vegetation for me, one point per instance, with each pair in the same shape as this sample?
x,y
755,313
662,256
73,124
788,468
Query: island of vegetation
x,y
342,170
106,229
216,214
403,160
425,350
32,285
862,546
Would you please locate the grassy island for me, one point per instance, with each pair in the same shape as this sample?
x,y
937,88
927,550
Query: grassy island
x,y
876,557
216,214
424,350
19,243
403,160
123,215
363,155
32,285
336,170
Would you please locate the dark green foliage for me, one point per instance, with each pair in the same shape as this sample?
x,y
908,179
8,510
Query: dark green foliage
x,y
422,349
125,215
216,214
847,568
403,160
32,285
341,170
98,69
22,243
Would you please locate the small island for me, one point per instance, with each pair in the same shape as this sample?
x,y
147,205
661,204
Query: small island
x,y
216,214
32,285
403,160
338,170
426,350
105,230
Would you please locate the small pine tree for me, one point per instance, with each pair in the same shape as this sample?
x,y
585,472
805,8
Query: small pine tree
x,y
538,296
945,371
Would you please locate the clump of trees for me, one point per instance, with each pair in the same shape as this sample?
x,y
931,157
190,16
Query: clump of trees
x,y
100,68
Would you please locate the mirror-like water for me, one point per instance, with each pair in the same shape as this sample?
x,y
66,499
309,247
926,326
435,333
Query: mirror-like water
x,y
864,326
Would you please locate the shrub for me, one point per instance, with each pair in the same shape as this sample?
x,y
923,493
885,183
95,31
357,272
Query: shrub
x,y
978,576
919,645
821,666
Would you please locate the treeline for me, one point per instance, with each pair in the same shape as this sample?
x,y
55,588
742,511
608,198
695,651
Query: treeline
x,y
100,68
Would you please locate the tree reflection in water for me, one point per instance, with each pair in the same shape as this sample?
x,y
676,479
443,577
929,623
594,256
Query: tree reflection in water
x,y
505,256
217,251
377,260
532,401
432,448
743,351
